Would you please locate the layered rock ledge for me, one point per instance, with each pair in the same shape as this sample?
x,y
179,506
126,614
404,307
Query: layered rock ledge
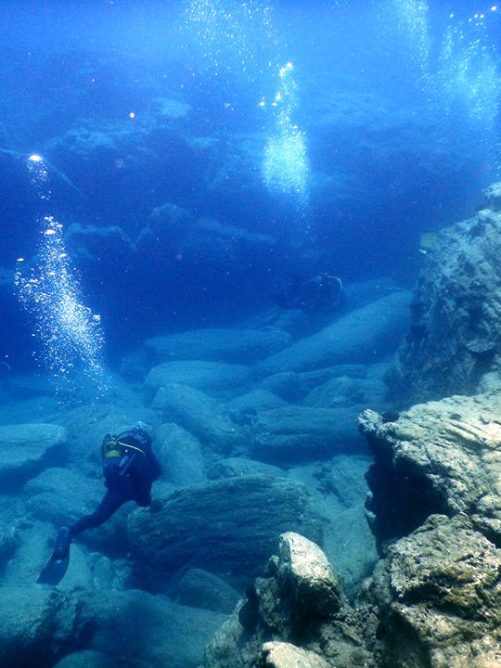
x,y
440,457
454,336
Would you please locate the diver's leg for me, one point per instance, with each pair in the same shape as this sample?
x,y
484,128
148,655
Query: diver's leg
x,y
110,504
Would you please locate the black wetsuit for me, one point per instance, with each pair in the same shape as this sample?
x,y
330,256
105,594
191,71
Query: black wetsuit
x,y
129,479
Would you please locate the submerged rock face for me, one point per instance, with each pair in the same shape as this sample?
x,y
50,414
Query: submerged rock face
x,y
26,449
229,525
299,433
201,375
437,477
440,457
365,335
37,626
220,345
439,592
294,616
454,336
199,414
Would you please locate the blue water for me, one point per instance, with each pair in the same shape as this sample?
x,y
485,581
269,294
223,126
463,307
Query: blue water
x,y
385,126
197,164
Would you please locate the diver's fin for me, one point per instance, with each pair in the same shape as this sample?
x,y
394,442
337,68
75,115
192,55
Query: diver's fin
x,y
57,565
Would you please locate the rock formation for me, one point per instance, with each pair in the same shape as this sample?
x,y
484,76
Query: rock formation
x,y
296,615
454,336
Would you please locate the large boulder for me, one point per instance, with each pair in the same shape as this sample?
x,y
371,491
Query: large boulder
x,y
347,391
229,525
62,496
26,449
201,375
180,455
455,334
439,598
200,589
199,414
138,628
296,615
229,467
275,654
298,433
38,626
244,408
439,457
365,335
220,345
293,387
92,659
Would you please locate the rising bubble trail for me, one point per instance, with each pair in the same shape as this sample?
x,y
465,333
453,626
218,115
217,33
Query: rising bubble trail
x,y
70,334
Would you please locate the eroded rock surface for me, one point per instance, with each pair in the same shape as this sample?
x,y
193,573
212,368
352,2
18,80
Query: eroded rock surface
x,y
454,336
436,482
228,525
439,457
26,449
301,433
222,345
294,616
365,335
438,593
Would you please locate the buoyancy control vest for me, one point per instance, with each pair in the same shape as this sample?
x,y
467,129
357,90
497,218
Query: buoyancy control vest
x,y
118,455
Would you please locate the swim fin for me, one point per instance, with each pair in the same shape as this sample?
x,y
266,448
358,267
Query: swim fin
x,y
57,565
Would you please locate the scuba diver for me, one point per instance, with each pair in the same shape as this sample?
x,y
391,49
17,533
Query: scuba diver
x,y
130,468
319,293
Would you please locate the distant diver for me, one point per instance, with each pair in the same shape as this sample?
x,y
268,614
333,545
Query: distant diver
x,y
319,293
130,468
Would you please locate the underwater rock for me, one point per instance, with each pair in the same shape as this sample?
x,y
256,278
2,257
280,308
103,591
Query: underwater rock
x,y
107,245
215,377
306,575
351,548
7,545
229,467
166,230
244,408
299,433
284,655
200,589
180,455
336,392
91,659
146,630
294,387
296,612
339,487
343,477
38,626
454,336
345,391
229,525
26,449
219,345
223,245
34,544
440,457
370,390
201,415
285,385
61,496
439,597
365,335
